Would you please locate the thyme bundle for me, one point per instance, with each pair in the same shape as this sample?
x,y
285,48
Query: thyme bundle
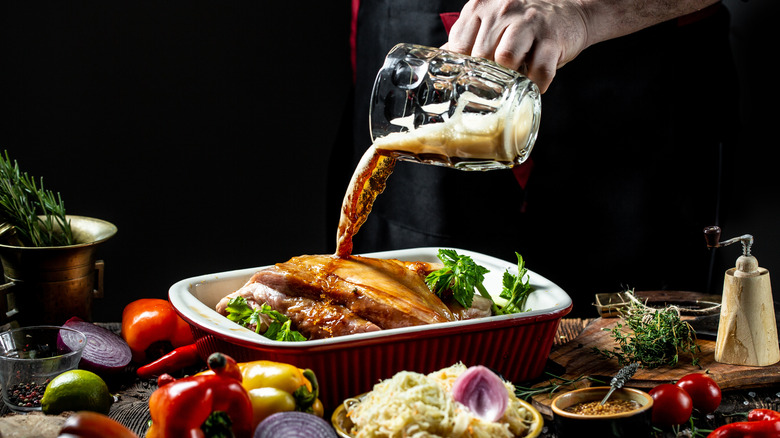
x,y
657,337
36,214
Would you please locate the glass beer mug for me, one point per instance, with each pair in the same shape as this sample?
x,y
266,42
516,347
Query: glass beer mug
x,y
438,107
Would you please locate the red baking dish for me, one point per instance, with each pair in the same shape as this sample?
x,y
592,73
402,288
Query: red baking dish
x,y
516,346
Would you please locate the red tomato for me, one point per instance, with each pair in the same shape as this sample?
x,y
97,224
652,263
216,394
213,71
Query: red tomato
x,y
671,405
703,390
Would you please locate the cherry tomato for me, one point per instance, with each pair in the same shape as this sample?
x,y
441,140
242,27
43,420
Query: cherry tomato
x,y
703,390
671,405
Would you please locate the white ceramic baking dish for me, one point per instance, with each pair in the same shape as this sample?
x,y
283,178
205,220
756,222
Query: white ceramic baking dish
x,y
516,346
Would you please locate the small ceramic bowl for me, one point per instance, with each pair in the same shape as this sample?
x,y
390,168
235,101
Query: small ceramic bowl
x,y
634,423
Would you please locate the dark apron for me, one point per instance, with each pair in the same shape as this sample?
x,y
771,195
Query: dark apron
x,y
626,166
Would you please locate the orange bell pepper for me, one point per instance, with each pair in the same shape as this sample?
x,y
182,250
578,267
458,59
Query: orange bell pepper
x,y
152,328
181,408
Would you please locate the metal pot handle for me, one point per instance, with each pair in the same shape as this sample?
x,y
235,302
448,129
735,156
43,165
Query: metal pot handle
x,y
97,292
6,315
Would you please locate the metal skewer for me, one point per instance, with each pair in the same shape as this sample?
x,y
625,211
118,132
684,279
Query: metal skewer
x,y
620,379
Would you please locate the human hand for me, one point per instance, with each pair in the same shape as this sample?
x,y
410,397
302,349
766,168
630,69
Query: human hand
x,y
535,37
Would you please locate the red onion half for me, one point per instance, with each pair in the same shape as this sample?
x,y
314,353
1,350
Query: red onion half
x,y
294,424
106,353
482,391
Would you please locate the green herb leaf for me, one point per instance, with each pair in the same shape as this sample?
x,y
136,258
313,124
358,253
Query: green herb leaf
x,y
516,289
240,312
460,274
280,330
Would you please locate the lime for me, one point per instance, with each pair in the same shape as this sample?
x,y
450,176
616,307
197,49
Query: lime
x,y
76,390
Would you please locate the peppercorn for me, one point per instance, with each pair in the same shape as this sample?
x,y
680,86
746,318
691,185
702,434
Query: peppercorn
x,y
27,395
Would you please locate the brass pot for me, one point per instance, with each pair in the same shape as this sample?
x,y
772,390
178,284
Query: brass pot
x,y
49,285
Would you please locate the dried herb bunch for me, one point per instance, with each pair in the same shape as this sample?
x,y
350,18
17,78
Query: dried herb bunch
x,y
657,337
36,214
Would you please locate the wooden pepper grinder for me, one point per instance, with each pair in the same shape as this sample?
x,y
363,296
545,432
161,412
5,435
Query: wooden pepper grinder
x,y
747,332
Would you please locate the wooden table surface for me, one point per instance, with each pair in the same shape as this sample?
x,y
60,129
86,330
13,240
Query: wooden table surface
x,y
131,406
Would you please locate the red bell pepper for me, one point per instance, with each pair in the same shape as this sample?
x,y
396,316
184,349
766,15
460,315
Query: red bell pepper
x,y
181,408
761,423
152,328
763,415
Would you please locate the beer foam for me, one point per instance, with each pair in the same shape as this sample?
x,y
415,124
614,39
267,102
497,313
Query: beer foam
x,y
464,135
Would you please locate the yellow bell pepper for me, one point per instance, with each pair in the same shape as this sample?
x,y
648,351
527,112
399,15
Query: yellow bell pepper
x,y
279,387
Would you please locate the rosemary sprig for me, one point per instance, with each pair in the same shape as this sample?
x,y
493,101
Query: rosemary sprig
x,y
657,337
555,383
37,215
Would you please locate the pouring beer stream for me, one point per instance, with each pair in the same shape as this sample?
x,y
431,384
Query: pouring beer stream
x,y
437,107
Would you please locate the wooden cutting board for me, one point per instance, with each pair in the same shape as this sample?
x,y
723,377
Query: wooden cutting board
x,y
576,358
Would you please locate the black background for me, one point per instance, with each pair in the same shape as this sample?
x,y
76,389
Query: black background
x,y
203,130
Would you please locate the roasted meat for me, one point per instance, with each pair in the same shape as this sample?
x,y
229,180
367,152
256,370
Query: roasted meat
x,y
326,295
314,319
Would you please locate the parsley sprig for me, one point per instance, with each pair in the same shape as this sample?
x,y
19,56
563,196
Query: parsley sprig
x,y
279,329
462,276
516,288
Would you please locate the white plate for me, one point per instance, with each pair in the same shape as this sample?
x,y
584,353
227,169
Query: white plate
x,y
195,299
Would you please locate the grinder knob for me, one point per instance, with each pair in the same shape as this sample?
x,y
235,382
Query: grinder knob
x,y
712,236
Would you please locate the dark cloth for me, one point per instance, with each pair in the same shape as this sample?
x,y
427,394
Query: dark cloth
x,y
627,165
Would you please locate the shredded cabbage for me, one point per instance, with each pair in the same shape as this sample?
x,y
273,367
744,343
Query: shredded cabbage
x,y
416,405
